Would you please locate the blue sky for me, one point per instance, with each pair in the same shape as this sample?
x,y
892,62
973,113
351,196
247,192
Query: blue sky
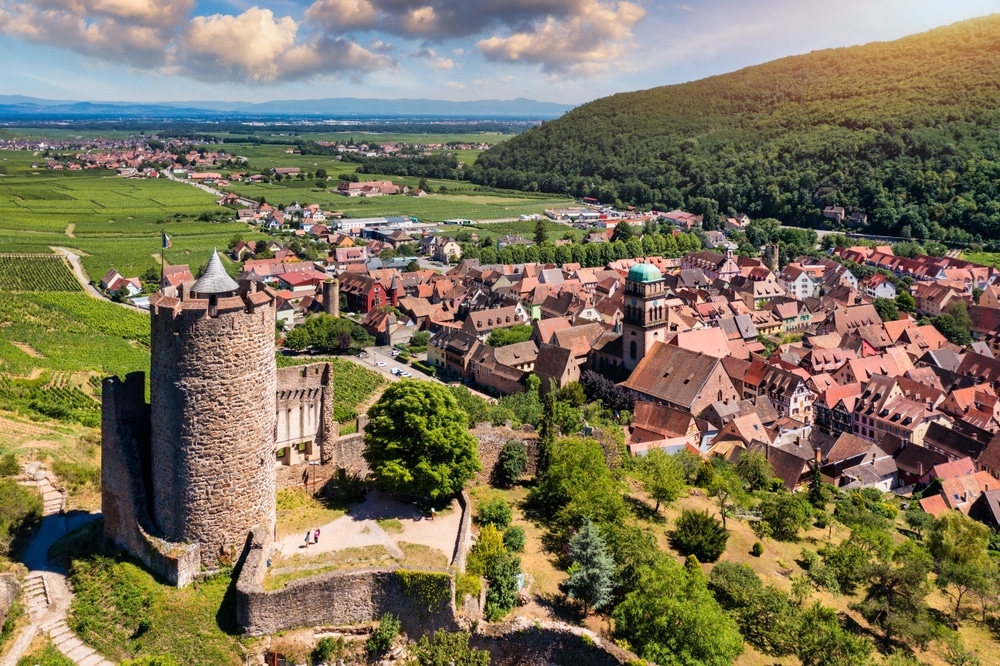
x,y
569,51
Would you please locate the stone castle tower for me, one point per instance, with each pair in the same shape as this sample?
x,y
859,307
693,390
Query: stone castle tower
x,y
212,400
186,477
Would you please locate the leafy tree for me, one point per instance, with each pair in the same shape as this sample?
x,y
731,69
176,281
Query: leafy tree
x,y
755,471
512,463
905,302
447,648
918,519
633,549
321,174
959,544
417,441
328,334
895,599
725,487
786,513
420,339
766,618
886,309
592,570
662,476
823,642
672,619
699,534
501,337
578,485
501,573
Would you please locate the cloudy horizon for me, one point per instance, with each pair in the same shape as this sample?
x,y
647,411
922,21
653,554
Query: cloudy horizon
x,y
567,51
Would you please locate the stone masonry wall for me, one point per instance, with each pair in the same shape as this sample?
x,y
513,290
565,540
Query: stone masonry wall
x,y
124,470
339,598
213,417
523,642
491,441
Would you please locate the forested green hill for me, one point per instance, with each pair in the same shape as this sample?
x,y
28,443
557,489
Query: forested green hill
x,y
906,131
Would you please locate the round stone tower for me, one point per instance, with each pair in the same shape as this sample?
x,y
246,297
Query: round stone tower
x,y
212,401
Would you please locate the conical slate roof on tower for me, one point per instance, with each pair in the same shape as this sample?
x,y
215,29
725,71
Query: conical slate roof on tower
x,y
215,280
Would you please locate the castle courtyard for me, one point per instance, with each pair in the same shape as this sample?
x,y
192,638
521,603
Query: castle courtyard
x,y
380,531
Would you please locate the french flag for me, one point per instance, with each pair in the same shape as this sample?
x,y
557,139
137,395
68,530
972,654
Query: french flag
x,y
166,240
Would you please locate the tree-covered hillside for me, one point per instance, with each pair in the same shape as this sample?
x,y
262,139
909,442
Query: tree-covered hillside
x,y
906,131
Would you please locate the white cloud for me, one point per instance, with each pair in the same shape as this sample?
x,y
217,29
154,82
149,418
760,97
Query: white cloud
x,y
456,85
341,15
581,45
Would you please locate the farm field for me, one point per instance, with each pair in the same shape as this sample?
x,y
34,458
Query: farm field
x,y
36,272
114,222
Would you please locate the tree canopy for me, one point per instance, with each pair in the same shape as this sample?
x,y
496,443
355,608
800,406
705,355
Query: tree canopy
x,y
417,441
918,159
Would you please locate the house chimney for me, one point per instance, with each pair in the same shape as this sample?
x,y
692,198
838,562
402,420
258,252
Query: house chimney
x,y
818,455
920,469
798,441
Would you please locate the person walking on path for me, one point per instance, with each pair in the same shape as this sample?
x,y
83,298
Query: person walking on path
x,y
316,535
307,538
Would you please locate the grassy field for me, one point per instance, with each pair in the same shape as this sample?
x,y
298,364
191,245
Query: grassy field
x,y
123,612
984,258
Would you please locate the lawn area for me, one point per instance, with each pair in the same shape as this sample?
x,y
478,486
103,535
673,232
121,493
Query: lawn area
x,y
298,511
123,612
303,565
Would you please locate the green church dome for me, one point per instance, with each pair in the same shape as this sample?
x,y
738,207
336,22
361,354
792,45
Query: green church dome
x,y
644,273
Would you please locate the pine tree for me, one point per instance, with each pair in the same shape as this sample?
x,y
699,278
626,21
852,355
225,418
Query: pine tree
x,y
592,572
546,434
541,235
816,495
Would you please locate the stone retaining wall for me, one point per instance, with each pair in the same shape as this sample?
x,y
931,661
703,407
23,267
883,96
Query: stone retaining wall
x,y
523,642
337,598
464,540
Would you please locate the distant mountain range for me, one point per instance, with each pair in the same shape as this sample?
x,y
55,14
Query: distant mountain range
x,y
19,106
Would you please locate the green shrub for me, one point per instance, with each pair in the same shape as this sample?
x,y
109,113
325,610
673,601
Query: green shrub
x,y
77,475
513,538
9,466
158,660
699,534
445,648
758,549
511,464
501,595
381,640
467,583
329,648
494,512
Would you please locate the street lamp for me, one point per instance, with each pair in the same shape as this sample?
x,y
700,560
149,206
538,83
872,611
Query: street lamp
x,y
312,474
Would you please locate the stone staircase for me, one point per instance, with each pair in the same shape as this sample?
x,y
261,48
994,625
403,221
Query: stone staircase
x,y
67,642
46,592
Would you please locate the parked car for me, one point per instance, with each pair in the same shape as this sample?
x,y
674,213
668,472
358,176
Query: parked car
x,y
396,371
362,354
405,375
379,364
